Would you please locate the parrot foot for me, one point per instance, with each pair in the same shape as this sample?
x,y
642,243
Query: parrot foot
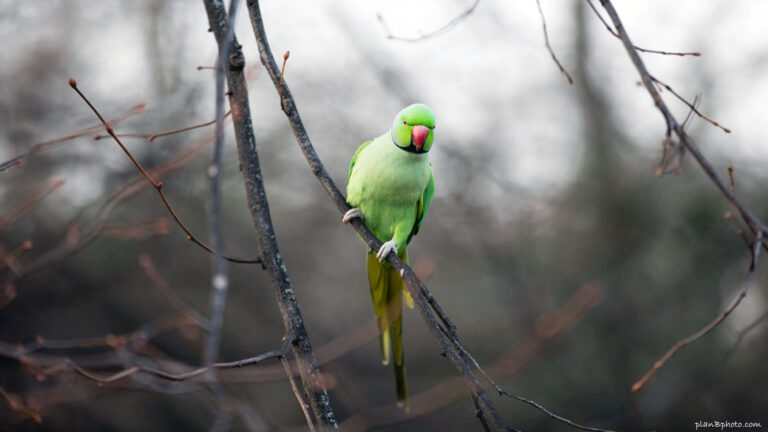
x,y
385,249
351,214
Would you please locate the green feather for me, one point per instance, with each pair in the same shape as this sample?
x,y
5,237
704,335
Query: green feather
x,y
393,186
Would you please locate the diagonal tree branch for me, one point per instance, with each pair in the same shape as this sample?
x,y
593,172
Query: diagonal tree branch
x,y
755,224
311,378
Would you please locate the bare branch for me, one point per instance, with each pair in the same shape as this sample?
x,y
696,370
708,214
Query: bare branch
x,y
152,137
17,406
137,230
151,272
297,393
77,236
19,160
690,105
549,48
167,375
312,380
157,185
714,323
435,33
650,51
743,333
14,214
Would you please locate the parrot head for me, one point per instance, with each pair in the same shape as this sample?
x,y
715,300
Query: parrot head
x,y
414,128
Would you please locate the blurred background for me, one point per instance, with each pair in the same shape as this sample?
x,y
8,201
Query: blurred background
x,y
567,265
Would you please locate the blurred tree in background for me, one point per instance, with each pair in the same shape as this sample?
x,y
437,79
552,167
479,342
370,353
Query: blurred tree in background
x,y
567,266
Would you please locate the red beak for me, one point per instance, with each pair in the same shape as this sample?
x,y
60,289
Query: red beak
x,y
419,135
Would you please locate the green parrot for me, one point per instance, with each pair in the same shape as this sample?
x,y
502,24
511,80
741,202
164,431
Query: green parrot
x,y
390,187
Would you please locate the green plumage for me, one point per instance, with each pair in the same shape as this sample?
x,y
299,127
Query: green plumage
x,y
391,182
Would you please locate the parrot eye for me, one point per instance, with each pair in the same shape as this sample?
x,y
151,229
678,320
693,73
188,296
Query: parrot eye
x,y
405,122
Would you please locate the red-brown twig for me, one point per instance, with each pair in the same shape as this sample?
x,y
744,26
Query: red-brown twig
x,y
168,375
157,185
177,303
297,393
137,338
650,51
137,230
282,73
152,137
9,258
714,323
743,333
6,220
77,238
122,135
19,160
437,32
184,129
549,48
15,404
692,106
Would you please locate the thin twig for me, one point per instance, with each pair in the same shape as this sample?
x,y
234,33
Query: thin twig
x,y
732,180
690,105
9,258
714,323
743,333
549,48
90,231
151,137
282,73
11,216
157,185
297,393
437,32
19,160
16,405
184,129
137,230
168,375
177,303
650,51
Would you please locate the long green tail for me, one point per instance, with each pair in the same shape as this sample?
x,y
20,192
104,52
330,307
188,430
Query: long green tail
x,y
387,292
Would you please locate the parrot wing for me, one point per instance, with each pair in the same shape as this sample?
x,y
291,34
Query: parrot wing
x,y
354,157
423,205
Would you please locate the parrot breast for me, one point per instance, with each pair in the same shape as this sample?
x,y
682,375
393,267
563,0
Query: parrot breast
x,y
386,183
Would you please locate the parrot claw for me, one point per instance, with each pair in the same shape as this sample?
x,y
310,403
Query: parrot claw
x,y
351,214
385,249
